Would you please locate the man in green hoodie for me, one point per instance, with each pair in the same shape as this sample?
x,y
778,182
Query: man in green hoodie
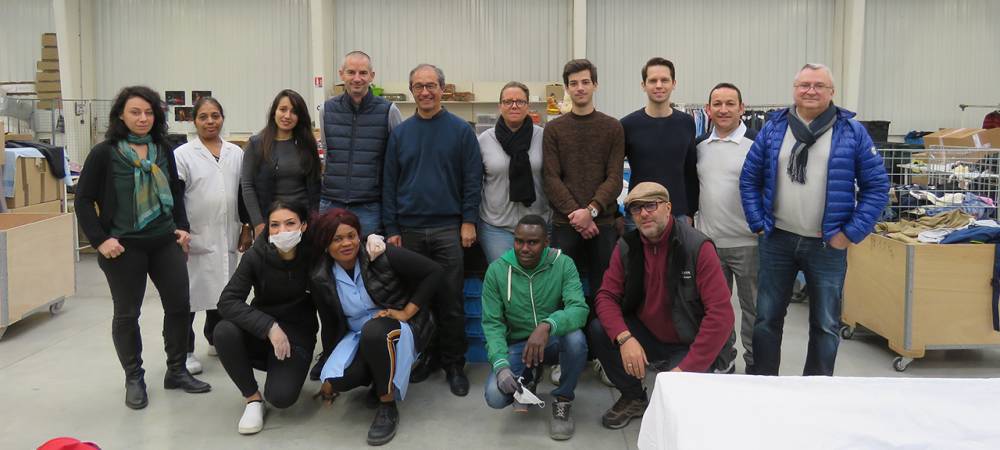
x,y
533,314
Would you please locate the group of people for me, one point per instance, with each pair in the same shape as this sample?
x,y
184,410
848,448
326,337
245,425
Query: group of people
x,y
365,249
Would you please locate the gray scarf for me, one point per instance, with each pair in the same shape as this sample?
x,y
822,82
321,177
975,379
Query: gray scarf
x,y
805,137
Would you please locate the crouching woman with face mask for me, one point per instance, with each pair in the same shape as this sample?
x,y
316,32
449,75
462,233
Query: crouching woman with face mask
x,y
276,331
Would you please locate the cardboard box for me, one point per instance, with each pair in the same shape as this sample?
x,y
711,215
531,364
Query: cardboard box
x,y
49,95
18,137
46,76
48,104
554,90
48,86
338,89
36,261
55,206
50,54
33,182
964,137
52,66
49,40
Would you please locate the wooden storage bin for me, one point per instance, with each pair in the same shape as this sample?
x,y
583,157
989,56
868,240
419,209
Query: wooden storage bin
x,y
920,296
36,264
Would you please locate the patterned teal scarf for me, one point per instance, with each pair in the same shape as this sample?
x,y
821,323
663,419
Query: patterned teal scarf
x,y
152,189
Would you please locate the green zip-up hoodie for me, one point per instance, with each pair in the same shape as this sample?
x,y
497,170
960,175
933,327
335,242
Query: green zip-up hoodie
x,y
516,300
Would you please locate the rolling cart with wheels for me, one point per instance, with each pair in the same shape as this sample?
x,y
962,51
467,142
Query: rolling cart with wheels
x,y
920,296
37,270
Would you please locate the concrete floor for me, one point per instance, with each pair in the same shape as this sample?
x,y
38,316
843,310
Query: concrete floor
x,y
59,377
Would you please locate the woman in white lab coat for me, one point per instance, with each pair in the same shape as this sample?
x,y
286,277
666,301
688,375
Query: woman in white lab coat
x,y
210,170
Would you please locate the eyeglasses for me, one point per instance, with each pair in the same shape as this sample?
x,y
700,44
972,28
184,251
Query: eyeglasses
x,y
806,87
430,87
519,103
649,207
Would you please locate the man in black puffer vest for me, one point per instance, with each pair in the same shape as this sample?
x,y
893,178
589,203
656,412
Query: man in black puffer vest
x,y
356,126
663,303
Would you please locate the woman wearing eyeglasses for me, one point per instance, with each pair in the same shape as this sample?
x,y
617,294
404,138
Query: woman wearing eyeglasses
x,y
512,179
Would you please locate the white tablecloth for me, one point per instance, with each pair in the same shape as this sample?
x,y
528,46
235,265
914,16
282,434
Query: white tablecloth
x,y
703,411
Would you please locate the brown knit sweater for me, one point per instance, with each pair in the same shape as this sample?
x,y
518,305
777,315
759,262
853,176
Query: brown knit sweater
x,y
583,158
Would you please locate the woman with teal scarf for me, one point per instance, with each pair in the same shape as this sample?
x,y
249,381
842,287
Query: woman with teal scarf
x,y
130,205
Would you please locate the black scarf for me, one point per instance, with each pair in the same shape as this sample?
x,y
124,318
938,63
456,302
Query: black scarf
x,y
805,137
516,145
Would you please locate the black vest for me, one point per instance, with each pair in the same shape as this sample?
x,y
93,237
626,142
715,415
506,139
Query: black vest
x,y
355,137
687,310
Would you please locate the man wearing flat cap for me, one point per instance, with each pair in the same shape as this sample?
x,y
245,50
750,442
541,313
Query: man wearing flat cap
x,y
663,303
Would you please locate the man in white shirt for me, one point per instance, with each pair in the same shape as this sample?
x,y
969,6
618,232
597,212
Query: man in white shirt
x,y
721,154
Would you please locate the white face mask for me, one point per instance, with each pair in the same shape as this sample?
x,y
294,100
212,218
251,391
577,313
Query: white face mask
x,y
527,397
286,240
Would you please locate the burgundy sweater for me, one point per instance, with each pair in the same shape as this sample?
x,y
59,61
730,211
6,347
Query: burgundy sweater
x,y
655,311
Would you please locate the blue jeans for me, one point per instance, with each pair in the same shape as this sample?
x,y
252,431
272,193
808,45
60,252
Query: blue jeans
x,y
369,214
569,351
782,255
494,241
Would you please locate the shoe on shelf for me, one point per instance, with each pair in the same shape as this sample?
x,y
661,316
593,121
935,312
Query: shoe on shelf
x,y
599,370
561,425
383,428
193,365
253,417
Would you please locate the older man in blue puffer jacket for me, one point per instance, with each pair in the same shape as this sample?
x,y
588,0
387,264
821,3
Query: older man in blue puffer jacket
x,y
811,185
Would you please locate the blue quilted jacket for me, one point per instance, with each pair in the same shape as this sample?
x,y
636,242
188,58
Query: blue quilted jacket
x,y
857,187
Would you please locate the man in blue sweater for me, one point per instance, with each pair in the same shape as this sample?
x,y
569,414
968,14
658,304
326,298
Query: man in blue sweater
x,y
431,187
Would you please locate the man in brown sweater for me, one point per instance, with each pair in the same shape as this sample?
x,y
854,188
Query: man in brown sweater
x,y
583,157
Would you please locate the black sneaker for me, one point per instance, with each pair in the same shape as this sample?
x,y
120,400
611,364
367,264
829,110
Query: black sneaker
x,y
623,411
383,428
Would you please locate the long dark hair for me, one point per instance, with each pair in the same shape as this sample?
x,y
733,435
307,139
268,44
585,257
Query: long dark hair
x,y
296,207
302,133
117,130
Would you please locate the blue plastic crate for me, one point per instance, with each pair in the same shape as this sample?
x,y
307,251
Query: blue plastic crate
x,y
473,308
474,328
473,288
477,350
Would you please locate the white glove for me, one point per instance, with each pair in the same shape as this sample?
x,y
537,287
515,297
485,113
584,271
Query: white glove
x,y
375,246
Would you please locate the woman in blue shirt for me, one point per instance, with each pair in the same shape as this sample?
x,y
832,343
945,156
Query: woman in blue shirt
x,y
373,305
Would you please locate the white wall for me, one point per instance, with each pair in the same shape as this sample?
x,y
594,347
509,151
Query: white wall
x,y
470,40
923,57
22,23
758,45
244,51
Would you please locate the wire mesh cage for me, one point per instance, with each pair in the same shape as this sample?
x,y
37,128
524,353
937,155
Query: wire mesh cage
x,y
76,125
937,180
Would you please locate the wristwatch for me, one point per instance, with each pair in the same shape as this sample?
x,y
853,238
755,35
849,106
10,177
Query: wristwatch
x,y
593,211
622,340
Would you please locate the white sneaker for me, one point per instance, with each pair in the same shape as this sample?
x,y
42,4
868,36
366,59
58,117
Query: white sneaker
x,y
253,418
193,365
599,370
211,351
556,374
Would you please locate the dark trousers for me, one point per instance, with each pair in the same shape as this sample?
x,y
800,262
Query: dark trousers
x,y
375,361
240,352
165,263
444,246
661,356
590,254
212,318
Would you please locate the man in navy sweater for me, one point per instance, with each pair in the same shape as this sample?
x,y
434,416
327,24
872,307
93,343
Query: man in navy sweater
x,y
430,204
660,141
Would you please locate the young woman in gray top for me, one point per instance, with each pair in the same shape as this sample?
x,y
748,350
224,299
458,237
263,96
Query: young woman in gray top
x,y
512,175
281,162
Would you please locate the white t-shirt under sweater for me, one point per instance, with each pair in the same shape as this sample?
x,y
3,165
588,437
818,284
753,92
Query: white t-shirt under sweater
x,y
720,214
798,208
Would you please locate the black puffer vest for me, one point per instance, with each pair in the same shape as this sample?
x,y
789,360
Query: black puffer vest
x,y
355,137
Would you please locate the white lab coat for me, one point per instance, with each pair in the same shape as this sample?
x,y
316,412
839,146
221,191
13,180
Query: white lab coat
x,y
211,203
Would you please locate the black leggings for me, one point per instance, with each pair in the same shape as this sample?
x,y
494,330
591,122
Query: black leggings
x,y
375,360
164,262
212,318
240,352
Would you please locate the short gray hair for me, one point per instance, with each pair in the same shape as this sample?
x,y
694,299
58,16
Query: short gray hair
x,y
439,72
816,66
357,53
